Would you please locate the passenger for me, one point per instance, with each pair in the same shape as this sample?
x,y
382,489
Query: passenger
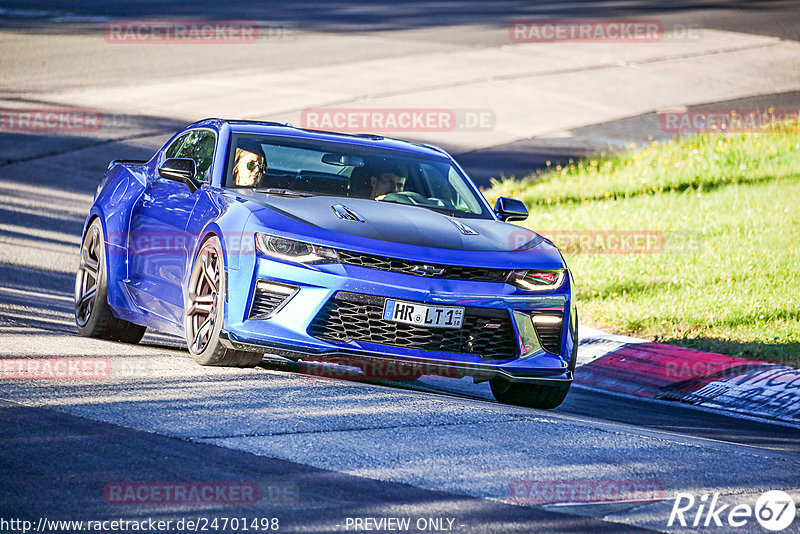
x,y
386,181
250,163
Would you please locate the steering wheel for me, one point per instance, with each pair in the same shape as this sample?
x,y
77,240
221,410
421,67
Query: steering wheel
x,y
406,197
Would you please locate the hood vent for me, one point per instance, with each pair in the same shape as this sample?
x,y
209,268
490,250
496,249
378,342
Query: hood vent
x,y
343,212
466,230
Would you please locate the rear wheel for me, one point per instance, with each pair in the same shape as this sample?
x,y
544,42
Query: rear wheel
x,y
92,312
205,310
544,396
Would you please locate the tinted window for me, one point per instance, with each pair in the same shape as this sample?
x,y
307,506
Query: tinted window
x,y
175,146
199,146
352,170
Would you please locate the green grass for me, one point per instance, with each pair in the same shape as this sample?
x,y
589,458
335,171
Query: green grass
x,y
728,279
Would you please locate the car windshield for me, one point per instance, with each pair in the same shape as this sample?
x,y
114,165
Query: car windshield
x,y
301,166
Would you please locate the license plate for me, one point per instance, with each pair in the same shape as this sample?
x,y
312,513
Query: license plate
x,y
422,314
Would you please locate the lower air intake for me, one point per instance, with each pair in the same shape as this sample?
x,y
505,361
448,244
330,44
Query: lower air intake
x,y
268,297
548,328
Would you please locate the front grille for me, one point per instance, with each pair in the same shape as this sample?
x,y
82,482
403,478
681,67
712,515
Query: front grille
x,y
474,274
353,316
548,328
268,297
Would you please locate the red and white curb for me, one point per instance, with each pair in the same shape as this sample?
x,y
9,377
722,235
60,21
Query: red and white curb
x,y
642,368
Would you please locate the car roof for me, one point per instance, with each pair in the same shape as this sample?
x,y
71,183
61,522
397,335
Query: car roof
x,y
287,130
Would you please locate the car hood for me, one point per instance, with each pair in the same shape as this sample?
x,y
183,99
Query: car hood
x,y
409,225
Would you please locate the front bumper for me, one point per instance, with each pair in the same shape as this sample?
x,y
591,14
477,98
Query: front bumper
x,y
285,332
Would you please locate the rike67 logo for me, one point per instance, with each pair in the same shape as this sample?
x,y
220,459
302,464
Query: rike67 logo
x,y
774,510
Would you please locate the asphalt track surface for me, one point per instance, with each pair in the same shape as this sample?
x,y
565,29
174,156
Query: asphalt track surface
x,y
323,450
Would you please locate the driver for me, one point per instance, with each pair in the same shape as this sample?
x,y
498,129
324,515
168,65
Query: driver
x,y
250,163
387,180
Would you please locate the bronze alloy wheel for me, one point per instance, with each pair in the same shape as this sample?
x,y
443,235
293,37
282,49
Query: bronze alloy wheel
x,y
86,279
204,287
205,311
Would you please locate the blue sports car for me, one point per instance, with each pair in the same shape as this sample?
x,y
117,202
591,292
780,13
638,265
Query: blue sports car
x,y
251,237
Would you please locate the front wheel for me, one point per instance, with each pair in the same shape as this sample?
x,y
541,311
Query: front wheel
x,y
543,396
205,312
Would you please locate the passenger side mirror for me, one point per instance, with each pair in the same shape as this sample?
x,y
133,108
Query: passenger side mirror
x,y
510,209
181,170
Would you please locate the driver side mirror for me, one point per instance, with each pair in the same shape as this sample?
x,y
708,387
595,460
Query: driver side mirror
x,y
510,209
180,170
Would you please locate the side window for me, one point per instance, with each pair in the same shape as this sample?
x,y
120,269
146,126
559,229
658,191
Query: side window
x,y
199,146
175,146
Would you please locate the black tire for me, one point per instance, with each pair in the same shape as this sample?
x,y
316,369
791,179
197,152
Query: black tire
x,y
205,310
92,312
543,396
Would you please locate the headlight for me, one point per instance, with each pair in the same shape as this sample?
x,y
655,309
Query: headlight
x,y
536,280
288,249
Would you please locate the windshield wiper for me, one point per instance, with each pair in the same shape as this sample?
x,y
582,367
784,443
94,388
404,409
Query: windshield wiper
x,y
284,192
